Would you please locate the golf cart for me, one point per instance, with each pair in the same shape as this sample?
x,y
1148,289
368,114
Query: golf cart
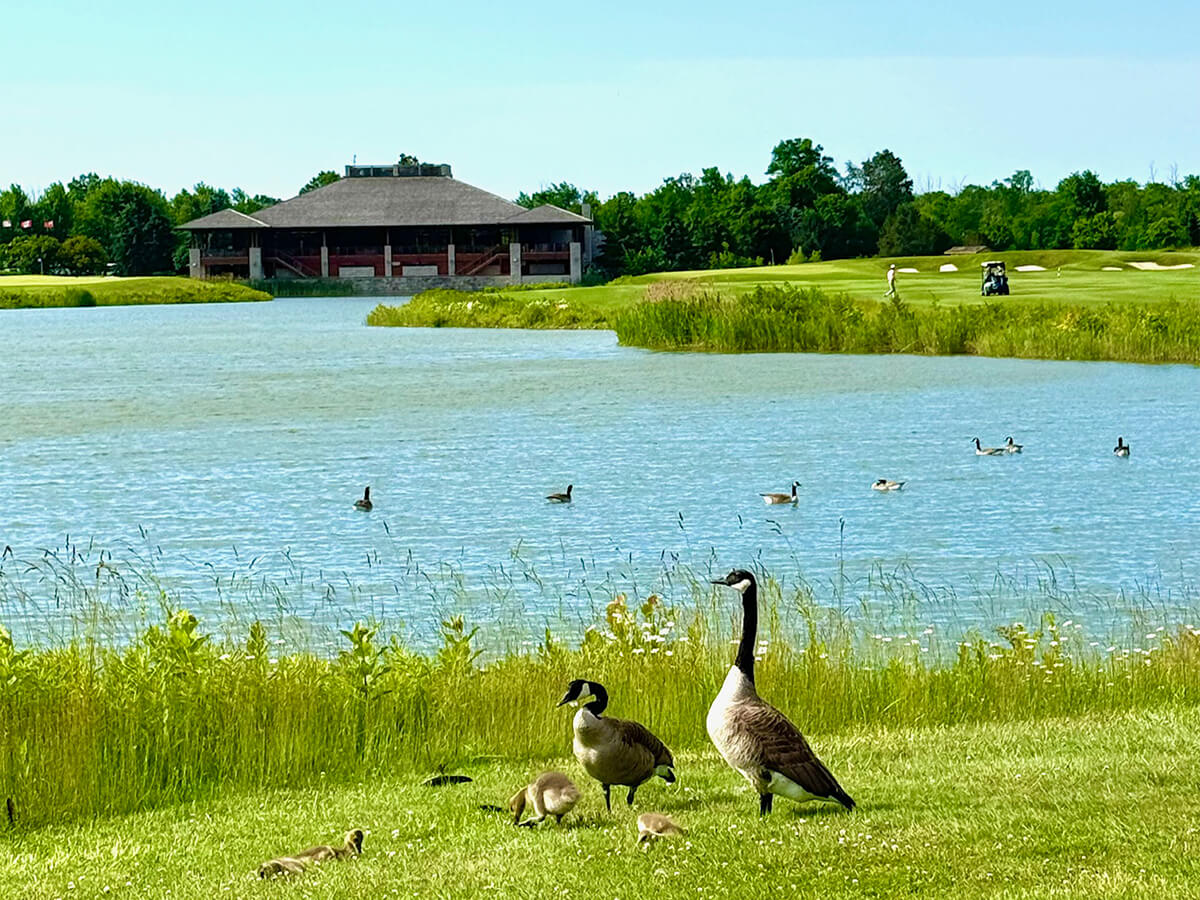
x,y
995,280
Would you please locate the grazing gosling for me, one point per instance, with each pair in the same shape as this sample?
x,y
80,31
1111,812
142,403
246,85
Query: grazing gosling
x,y
987,451
365,503
1122,448
550,794
770,499
294,865
561,498
882,484
614,751
1010,447
656,825
756,739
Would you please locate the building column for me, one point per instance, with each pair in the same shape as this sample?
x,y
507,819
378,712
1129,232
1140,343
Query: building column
x,y
195,263
576,262
324,261
256,266
451,264
589,249
514,262
387,260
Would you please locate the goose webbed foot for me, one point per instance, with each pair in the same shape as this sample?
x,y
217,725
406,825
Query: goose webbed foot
x,y
764,803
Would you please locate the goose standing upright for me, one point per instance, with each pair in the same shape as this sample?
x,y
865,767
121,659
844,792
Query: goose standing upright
x,y
756,739
1122,448
770,499
614,751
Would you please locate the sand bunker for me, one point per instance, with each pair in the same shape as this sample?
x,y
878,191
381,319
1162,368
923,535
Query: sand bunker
x,y
908,271
1031,268
947,267
1155,267
1111,269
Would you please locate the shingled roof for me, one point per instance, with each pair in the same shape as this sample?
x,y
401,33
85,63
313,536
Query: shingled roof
x,y
390,202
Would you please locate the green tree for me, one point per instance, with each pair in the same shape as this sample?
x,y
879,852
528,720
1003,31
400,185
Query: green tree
x,y
885,186
34,254
15,207
81,255
320,180
908,233
563,195
55,205
202,200
244,203
1095,232
133,224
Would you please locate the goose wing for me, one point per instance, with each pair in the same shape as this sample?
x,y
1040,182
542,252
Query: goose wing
x,y
635,734
780,747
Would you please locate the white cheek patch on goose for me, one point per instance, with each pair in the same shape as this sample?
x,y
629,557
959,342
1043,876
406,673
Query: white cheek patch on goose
x,y
741,586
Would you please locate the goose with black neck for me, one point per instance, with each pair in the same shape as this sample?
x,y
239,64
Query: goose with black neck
x,y
756,739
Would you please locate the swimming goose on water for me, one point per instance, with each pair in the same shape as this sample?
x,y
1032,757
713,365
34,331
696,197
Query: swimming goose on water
x,y
1122,448
756,739
614,751
987,451
1010,447
561,498
781,498
364,503
882,484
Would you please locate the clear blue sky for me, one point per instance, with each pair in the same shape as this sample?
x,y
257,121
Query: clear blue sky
x,y
612,95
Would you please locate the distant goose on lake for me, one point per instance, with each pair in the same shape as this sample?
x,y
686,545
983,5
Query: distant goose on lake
x,y
365,503
561,498
614,751
781,498
1010,447
756,739
1122,448
987,451
882,484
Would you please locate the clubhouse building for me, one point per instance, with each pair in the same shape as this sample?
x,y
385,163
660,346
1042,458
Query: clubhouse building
x,y
395,229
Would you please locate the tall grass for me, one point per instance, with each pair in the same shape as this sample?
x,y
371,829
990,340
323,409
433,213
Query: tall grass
x,y
94,726
783,318
444,308
127,292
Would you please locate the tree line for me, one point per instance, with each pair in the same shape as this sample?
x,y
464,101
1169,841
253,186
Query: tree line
x,y
806,208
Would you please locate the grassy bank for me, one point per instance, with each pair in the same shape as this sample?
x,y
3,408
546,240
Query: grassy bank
x,y
556,308
1093,806
178,715
784,318
304,287
38,292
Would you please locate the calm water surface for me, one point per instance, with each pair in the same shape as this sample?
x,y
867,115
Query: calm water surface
x,y
224,445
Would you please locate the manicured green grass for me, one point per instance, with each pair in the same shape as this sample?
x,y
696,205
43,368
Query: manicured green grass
x,y
1099,806
1072,276
36,291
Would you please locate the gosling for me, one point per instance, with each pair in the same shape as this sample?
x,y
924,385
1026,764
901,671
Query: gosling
x,y
294,865
656,825
550,794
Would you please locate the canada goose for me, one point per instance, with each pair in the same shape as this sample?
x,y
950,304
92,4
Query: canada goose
x,y
293,865
882,484
365,503
550,794
755,738
1010,447
561,498
1122,448
614,751
781,498
987,451
656,825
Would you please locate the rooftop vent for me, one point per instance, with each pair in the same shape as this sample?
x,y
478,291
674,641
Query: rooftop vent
x,y
428,170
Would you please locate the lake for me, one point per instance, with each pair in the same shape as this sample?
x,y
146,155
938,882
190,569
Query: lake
x,y
216,451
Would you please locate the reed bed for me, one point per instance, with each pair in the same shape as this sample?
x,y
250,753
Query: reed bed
x,y
304,287
784,318
96,726
444,308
